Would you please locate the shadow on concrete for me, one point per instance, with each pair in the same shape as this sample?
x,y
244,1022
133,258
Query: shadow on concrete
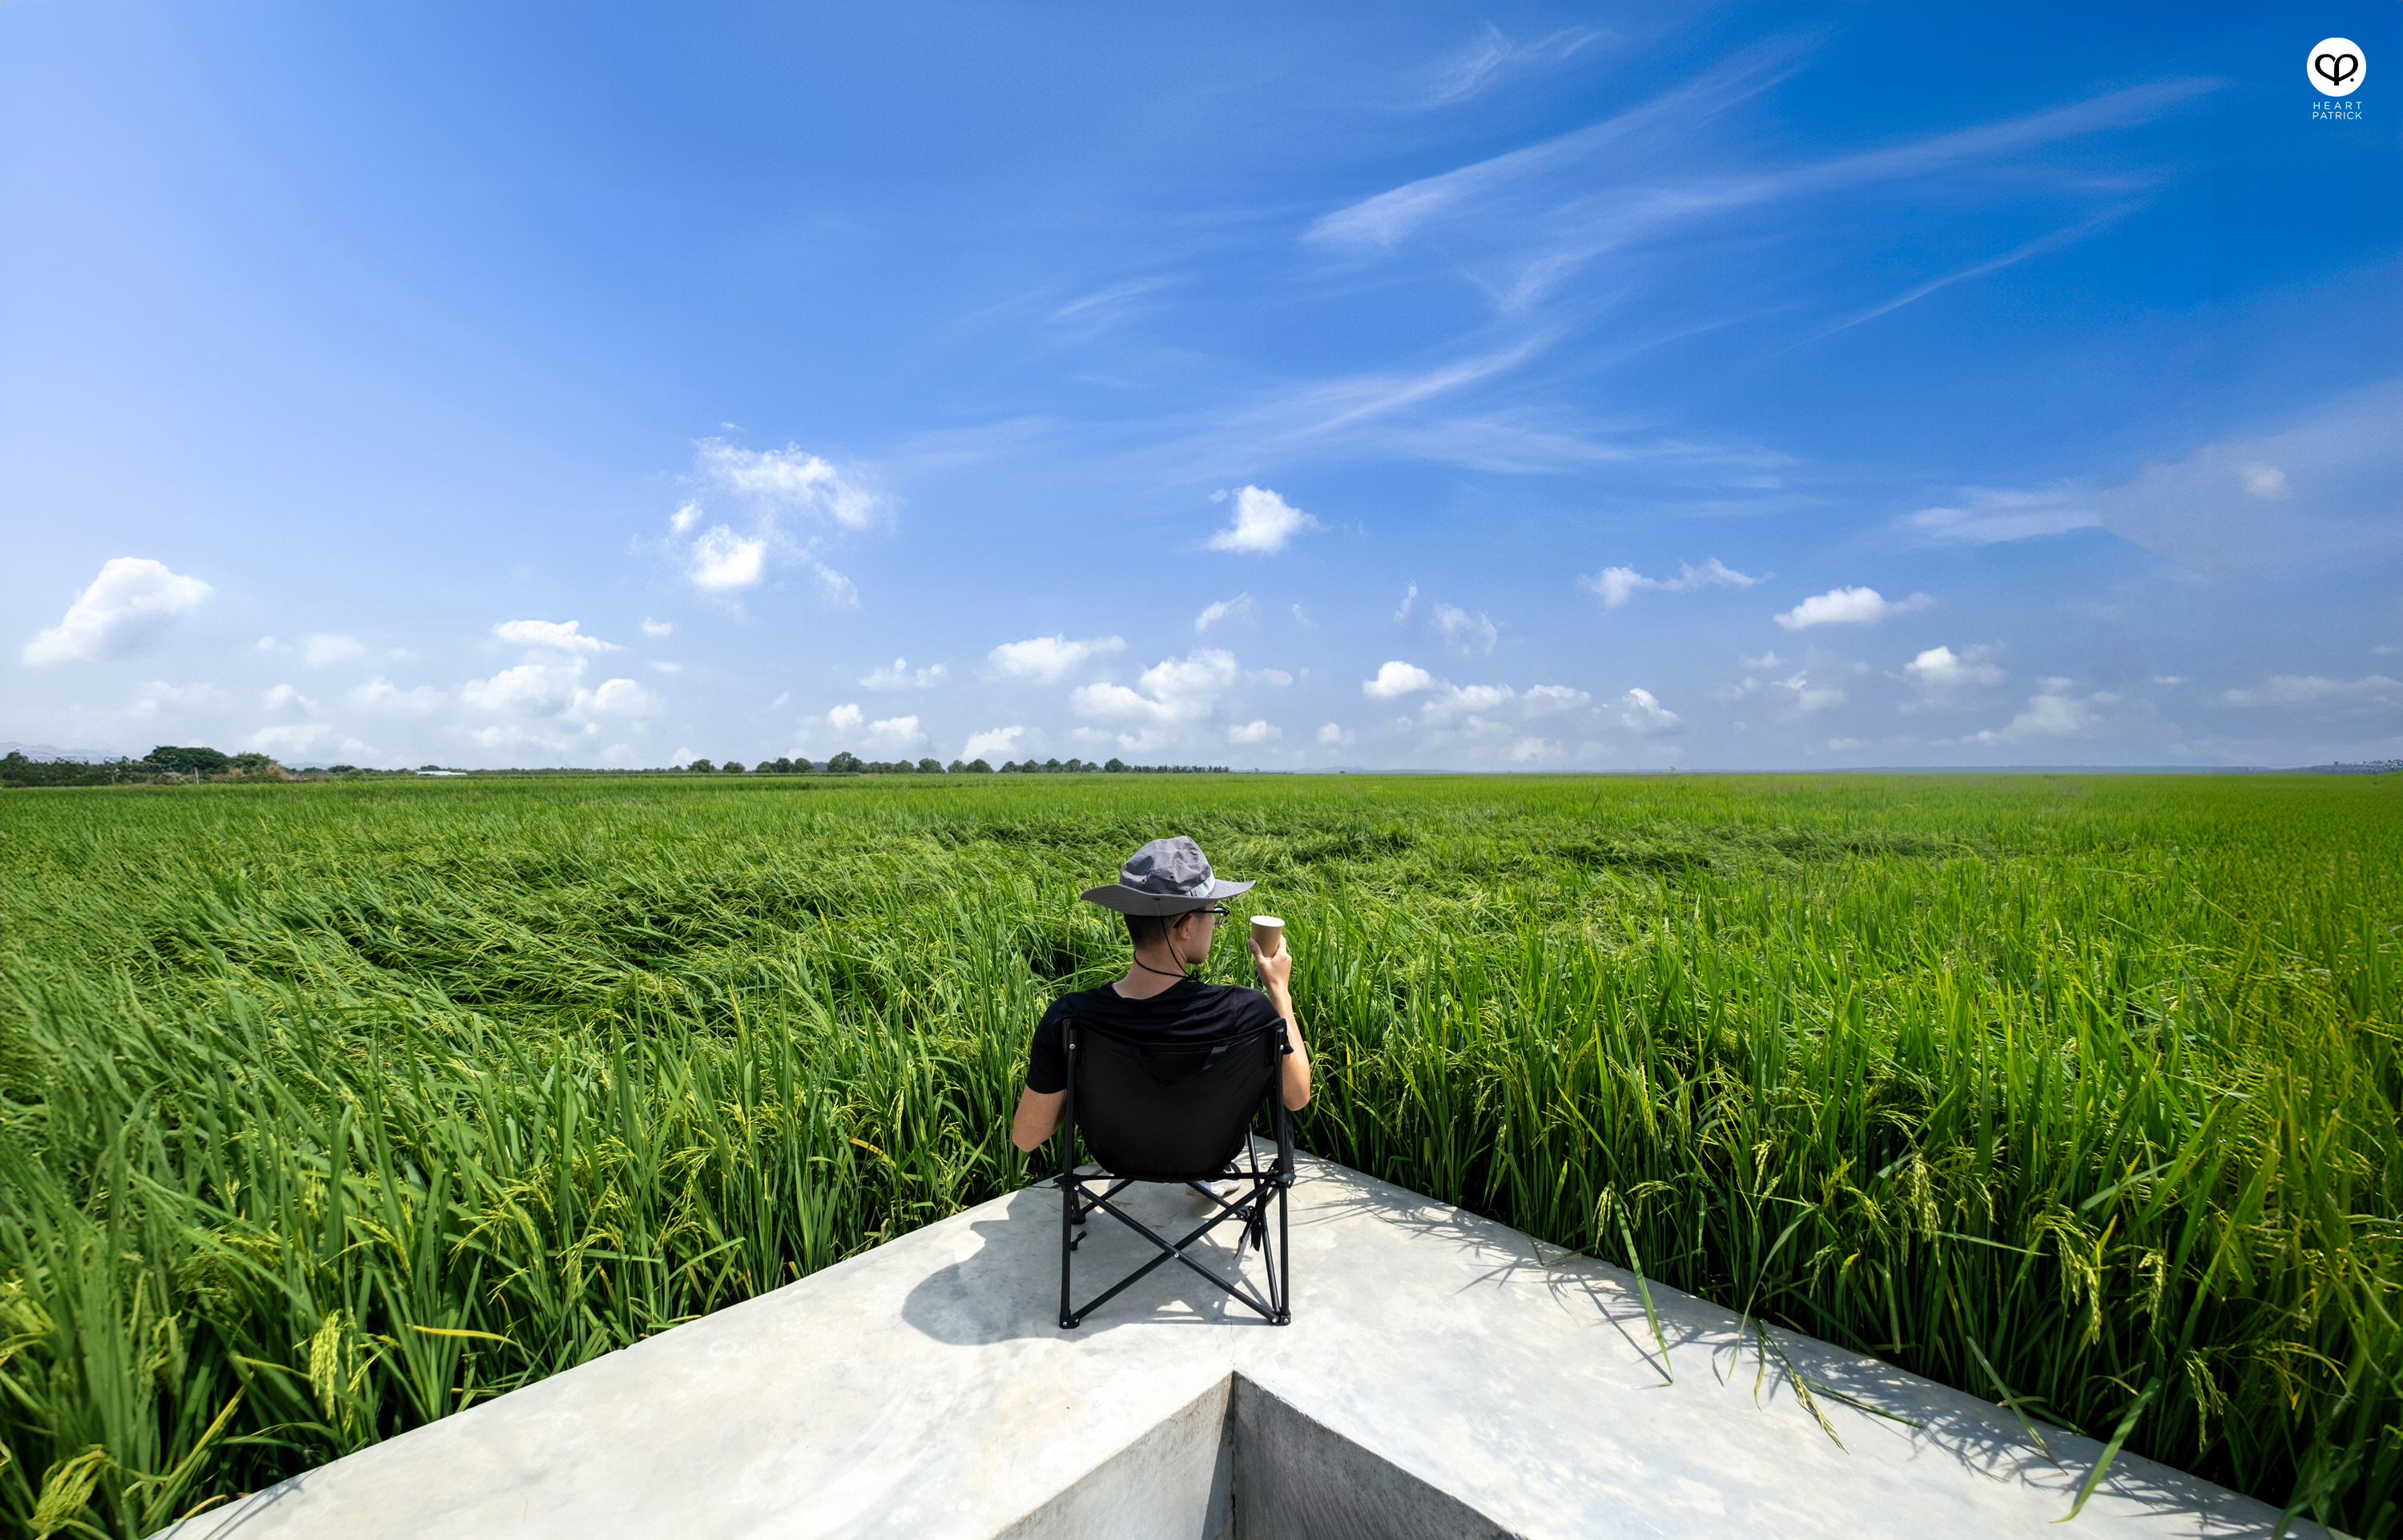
x,y
1870,1398
1009,1287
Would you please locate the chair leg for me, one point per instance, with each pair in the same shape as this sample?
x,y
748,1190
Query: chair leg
x,y
1283,1264
1068,1221
1270,1309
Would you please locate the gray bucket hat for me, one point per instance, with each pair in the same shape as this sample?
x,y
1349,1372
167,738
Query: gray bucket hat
x,y
1168,876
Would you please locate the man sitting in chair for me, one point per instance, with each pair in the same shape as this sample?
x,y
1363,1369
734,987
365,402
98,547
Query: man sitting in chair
x,y
1170,899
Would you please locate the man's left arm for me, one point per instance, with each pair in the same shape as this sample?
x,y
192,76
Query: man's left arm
x,y
1040,1113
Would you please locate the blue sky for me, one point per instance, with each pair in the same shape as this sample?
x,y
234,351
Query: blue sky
x,y
1509,387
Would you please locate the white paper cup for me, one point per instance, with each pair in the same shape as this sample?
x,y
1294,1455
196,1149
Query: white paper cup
x,y
1267,934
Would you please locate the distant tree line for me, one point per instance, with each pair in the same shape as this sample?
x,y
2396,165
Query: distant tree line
x,y
195,763
1116,767
167,762
850,764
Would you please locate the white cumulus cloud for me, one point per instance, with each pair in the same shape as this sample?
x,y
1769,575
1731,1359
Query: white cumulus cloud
x,y
992,744
1940,670
1644,713
1045,659
1528,750
788,497
722,559
296,739
1546,699
1618,585
330,649
1848,608
1263,522
617,697
559,635
893,733
1334,735
2054,713
1178,689
128,607
529,688
1463,632
900,678
790,479
380,694
549,688
1255,733
657,628
844,718
1802,697
1396,679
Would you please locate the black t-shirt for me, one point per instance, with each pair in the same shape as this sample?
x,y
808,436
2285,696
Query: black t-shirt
x,y
1184,1012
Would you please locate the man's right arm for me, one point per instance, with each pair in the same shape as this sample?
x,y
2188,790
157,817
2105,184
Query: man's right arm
x,y
1276,982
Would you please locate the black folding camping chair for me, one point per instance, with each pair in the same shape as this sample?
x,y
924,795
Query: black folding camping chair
x,y
1181,1114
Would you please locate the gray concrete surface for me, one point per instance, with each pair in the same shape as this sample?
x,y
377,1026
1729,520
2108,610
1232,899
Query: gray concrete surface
x,y
925,1389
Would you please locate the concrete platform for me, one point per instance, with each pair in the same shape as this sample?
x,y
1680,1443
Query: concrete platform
x,y
1442,1377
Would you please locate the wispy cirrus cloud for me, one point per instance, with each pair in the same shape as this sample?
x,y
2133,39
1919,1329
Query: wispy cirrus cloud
x,y
2232,504
1532,216
1616,586
1379,221
1238,608
2066,236
1494,56
1984,516
2306,689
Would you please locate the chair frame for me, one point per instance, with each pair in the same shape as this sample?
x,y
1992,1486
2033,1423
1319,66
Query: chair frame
x,y
1248,1207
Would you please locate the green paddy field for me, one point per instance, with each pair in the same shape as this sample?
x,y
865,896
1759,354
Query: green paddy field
x,y
327,1110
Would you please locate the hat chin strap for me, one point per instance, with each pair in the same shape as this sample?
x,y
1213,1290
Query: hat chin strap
x,y
1182,966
